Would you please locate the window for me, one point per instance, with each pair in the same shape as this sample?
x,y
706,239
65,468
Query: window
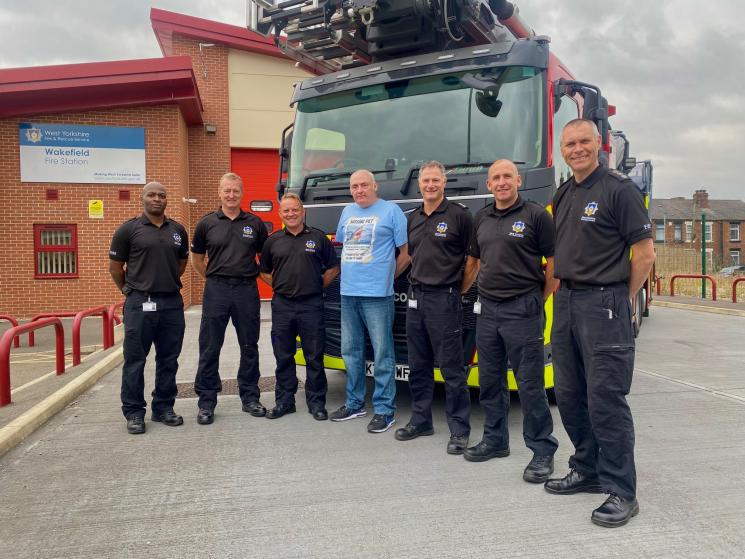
x,y
566,111
708,231
55,251
734,256
689,231
659,231
734,231
678,235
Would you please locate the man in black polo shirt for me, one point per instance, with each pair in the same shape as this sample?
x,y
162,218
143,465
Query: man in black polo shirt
x,y
600,218
231,239
298,262
439,232
155,250
510,239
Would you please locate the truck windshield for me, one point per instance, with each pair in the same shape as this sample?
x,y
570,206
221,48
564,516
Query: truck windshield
x,y
396,126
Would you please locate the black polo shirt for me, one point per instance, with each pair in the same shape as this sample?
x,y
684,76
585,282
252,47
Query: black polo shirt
x,y
510,244
438,243
231,244
297,262
153,254
597,221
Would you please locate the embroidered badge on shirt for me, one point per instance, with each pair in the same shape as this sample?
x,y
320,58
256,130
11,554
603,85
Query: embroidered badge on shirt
x,y
441,229
248,232
517,229
590,211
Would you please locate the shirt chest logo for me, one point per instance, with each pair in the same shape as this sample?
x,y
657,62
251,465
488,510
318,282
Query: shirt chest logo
x,y
517,229
310,246
441,229
590,210
177,239
248,232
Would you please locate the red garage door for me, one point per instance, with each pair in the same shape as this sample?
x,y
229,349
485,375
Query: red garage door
x,y
258,169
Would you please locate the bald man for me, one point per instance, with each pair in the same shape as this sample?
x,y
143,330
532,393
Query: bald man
x,y
510,238
371,230
155,250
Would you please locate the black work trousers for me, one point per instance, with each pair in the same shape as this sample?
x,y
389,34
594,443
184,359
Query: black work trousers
x,y
513,330
163,328
235,299
593,344
434,330
292,317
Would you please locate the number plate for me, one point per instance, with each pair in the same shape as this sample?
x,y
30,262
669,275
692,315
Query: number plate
x,y
402,371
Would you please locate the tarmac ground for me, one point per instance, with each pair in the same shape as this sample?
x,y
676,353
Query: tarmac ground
x,y
80,486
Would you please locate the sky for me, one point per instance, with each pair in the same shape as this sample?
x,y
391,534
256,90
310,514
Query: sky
x,y
675,69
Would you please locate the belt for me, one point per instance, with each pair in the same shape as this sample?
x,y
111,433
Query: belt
x,y
435,288
502,300
155,293
231,280
578,286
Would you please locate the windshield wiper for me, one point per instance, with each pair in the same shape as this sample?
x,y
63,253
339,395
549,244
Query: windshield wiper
x,y
325,177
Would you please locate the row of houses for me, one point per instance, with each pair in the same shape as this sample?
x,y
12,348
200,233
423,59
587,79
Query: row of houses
x,y
677,223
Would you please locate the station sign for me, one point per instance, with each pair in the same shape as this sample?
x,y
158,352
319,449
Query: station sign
x,y
66,153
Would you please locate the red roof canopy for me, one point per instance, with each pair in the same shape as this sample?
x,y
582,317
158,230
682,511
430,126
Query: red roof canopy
x,y
101,85
165,24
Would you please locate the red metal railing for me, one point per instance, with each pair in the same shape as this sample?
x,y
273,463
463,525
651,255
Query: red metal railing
x,y
63,314
7,340
734,288
694,276
113,318
14,322
658,283
103,310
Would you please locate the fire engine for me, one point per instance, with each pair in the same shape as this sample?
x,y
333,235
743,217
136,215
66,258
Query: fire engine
x,y
399,82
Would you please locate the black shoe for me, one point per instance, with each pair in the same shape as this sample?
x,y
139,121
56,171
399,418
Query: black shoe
x,y
380,423
413,431
279,410
457,445
538,469
168,417
320,414
254,408
573,482
484,451
136,425
615,511
205,416
344,413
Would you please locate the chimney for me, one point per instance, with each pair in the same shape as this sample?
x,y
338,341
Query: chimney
x,y
701,199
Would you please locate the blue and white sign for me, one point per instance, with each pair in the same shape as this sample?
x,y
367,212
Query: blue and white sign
x,y
84,154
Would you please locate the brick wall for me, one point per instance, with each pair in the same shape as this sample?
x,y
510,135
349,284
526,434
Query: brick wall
x,y
23,204
209,155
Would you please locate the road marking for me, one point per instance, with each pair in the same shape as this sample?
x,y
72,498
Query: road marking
x,y
719,393
31,383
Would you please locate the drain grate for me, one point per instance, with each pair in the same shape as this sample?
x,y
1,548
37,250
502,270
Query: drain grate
x,y
230,387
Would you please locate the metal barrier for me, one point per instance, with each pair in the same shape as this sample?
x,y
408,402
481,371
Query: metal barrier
x,y
734,288
31,337
694,276
7,340
14,322
103,310
113,319
658,283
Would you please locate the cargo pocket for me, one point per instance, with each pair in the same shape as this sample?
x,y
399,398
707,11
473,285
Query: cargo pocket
x,y
613,367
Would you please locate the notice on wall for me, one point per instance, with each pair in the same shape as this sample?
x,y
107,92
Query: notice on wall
x,y
67,153
95,209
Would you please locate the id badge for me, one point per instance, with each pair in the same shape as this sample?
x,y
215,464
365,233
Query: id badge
x,y
477,307
412,303
149,306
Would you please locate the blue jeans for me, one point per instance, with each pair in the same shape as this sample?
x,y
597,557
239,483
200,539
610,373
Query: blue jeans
x,y
375,314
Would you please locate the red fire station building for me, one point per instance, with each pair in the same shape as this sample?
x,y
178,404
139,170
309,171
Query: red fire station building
x,y
80,140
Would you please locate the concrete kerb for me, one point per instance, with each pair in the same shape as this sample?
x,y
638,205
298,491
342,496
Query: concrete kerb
x,y
698,308
21,427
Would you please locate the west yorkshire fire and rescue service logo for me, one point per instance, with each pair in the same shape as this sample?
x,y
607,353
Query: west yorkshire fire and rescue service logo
x,y
177,239
33,135
441,229
248,232
517,229
310,246
590,211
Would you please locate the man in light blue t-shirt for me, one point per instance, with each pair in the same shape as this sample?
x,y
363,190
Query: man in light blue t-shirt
x,y
370,229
